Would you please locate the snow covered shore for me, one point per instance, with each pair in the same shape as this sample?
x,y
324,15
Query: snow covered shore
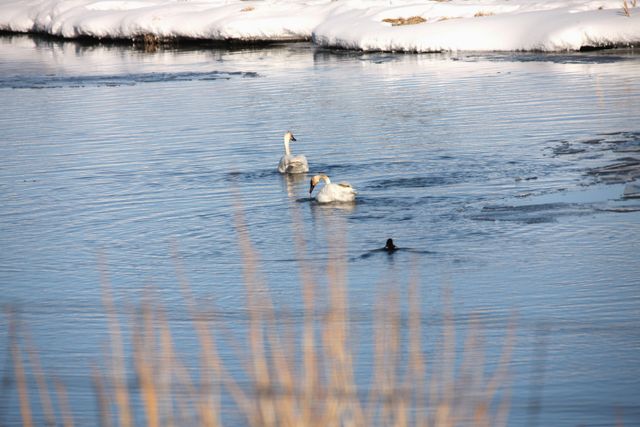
x,y
475,25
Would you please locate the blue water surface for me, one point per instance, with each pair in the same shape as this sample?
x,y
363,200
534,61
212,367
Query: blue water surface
x,y
138,169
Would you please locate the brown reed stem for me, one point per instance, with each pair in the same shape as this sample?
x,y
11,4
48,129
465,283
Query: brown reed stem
x,y
101,398
416,374
309,381
209,407
43,389
143,346
63,401
260,366
117,353
21,379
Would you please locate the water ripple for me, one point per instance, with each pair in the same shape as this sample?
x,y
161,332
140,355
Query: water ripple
x,y
129,79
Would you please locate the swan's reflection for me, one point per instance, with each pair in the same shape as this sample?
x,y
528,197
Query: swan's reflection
x,y
293,181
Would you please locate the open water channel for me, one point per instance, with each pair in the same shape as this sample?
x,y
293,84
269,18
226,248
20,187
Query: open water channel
x,y
492,172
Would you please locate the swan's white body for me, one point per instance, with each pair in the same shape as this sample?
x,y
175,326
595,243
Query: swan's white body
x,y
330,192
290,163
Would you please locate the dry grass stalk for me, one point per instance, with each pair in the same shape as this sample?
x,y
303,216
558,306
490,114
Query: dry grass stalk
x,y
19,372
625,8
398,391
413,20
143,347
247,9
63,400
210,361
43,389
102,398
117,374
264,415
314,386
416,375
309,378
482,13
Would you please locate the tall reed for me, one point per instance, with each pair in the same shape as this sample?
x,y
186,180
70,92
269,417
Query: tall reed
x,y
302,373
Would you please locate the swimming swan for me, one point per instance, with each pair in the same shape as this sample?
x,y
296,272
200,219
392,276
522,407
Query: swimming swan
x,y
341,192
289,163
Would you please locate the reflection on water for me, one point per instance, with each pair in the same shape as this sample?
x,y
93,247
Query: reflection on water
x,y
292,181
500,176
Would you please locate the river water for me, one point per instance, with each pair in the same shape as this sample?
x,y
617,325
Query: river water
x,y
486,169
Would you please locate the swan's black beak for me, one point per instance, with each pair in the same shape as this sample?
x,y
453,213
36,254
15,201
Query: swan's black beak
x,y
293,138
311,187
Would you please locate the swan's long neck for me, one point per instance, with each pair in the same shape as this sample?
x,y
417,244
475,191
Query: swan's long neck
x,y
326,179
287,150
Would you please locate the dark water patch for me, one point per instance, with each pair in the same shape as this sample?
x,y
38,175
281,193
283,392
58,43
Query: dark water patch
x,y
524,195
593,141
631,191
336,169
52,82
347,206
532,214
623,170
370,217
603,148
627,149
382,252
401,202
620,209
621,136
416,182
331,54
618,141
244,176
379,58
556,58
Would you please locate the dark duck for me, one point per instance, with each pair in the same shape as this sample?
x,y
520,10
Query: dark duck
x,y
390,247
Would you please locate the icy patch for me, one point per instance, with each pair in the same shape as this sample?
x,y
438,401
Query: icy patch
x,y
609,158
52,81
631,191
532,213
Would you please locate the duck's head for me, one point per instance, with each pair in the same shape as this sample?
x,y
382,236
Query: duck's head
x,y
390,247
288,136
315,180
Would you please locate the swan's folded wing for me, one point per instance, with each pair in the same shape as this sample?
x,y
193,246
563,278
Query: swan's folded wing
x,y
347,186
282,166
297,164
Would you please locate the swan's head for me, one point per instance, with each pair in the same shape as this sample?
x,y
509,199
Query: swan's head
x,y
289,137
315,180
390,247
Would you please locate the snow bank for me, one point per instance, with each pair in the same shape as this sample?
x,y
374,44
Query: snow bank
x,y
352,24
507,25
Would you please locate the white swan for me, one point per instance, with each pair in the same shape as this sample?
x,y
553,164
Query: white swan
x,y
341,192
289,163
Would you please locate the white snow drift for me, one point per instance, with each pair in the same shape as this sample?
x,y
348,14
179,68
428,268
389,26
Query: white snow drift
x,y
353,24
